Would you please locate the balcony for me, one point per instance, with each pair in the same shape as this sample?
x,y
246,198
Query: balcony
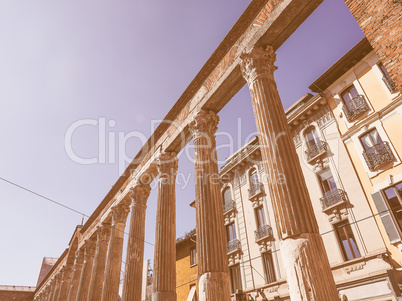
x,y
233,245
316,150
229,206
263,231
255,190
389,83
378,155
357,106
332,198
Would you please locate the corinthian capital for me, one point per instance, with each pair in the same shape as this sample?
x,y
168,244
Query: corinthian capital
x,y
167,164
259,62
119,213
79,256
139,194
103,232
90,247
204,123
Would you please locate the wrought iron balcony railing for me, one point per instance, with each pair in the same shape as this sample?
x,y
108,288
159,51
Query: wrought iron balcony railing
x,y
315,150
262,231
233,245
255,190
357,106
378,154
389,83
332,198
229,206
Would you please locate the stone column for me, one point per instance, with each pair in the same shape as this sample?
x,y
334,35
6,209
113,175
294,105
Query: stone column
x,y
212,265
75,277
89,251
164,277
307,268
65,282
98,270
51,290
132,286
57,286
110,290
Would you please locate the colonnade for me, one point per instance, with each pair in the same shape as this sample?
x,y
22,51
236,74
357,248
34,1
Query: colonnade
x,y
95,274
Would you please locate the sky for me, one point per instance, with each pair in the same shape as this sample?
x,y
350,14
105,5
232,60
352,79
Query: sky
x,y
76,73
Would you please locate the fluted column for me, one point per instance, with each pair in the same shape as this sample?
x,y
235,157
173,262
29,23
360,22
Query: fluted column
x,y
98,270
307,268
56,286
51,290
164,277
132,286
110,290
89,252
65,282
76,275
212,265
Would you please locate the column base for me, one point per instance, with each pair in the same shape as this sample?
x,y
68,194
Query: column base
x,y
214,286
307,269
164,296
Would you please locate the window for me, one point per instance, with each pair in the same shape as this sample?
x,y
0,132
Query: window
x,y
348,96
346,240
235,278
254,180
227,195
393,196
370,139
193,256
387,78
259,216
231,232
327,181
268,264
311,137
354,104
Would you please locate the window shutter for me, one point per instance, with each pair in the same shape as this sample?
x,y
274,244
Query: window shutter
x,y
386,217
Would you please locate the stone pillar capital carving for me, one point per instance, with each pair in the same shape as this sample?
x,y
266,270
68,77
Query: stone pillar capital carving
x,y
79,256
119,213
167,164
103,233
259,62
204,123
90,247
139,194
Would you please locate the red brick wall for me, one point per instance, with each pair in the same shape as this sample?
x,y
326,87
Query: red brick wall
x,y
381,22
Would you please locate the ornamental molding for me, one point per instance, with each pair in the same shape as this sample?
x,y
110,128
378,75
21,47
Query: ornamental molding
x,y
103,232
90,247
120,213
167,164
139,194
204,124
259,62
79,256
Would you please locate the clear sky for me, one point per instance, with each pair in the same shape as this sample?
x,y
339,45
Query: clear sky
x,y
125,62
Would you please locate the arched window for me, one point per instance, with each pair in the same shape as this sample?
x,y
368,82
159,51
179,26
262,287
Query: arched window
x,y
311,137
254,179
227,195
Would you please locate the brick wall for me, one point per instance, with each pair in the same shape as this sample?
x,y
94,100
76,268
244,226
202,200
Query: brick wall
x,y
381,22
16,296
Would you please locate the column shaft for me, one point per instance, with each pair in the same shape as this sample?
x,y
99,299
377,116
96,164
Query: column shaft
x,y
83,288
212,265
132,287
75,277
110,290
98,271
65,282
164,282
308,272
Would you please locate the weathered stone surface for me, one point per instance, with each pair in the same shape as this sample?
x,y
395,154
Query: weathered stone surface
x,y
83,288
293,211
164,277
75,277
132,287
111,282
98,269
212,262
